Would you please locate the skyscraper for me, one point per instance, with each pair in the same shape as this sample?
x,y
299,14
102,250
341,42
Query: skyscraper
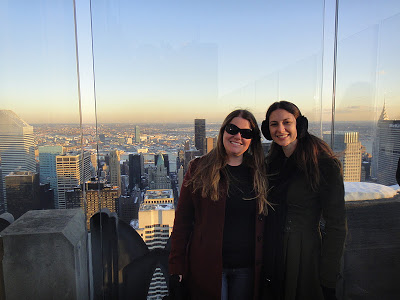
x,y
200,135
22,190
72,170
156,219
136,170
347,147
98,195
137,134
47,165
17,152
386,150
210,143
115,168
158,175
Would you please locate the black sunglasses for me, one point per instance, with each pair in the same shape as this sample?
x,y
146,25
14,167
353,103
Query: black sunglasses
x,y
233,129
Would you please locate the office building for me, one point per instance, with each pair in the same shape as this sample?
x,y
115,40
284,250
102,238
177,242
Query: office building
x,y
129,206
200,135
46,196
165,159
158,175
211,142
22,189
17,148
347,147
115,168
72,170
47,166
386,150
136,170
98,195
156,219
137,134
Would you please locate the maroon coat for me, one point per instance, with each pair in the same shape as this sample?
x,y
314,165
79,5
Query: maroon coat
x,y
196,241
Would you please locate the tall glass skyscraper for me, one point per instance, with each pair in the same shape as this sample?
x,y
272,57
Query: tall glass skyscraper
x,y
47,163
17,152
386,149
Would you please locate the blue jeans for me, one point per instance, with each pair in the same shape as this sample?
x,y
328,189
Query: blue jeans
x,y
237,284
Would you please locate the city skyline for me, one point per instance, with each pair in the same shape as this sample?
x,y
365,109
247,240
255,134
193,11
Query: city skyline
x,y
174,63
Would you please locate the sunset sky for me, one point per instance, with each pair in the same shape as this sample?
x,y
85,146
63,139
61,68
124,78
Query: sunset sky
x,y
173,61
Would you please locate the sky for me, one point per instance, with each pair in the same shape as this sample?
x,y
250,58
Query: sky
x,y
173,61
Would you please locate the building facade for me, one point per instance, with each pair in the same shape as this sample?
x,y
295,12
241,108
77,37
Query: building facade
x,y
17,148
156,220
115,168
72,169
200,135
47,166
158,175
347,147
386,150
23,190
136,170
98,195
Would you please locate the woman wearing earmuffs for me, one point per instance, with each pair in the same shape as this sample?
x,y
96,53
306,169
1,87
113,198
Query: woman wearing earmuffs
x,y
306,183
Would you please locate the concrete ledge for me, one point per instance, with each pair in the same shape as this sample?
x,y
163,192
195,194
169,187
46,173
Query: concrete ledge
x,y
371,258
45,256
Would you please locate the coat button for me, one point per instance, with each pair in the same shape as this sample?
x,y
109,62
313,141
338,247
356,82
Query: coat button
x,y
259,238
260,217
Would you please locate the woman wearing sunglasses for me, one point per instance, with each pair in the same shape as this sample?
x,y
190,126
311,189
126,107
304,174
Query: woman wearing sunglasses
x,y
305,181
216,243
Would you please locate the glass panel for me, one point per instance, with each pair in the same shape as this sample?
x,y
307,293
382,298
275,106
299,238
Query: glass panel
x,y
169,71
367,139
41,149
38,84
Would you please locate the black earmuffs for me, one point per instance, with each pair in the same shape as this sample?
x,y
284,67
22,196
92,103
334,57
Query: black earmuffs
x,y
301,127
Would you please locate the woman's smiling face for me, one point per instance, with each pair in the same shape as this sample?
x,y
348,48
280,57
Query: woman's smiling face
x,y
282,126
236,145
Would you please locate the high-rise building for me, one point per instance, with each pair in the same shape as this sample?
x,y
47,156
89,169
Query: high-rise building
x,y
115,168
72,170
347,147
46,196
156,219
47,165
98,196
165,159
137,134
211,142
17,148
22,189
129,206
200,135
386,150
158,175
136,170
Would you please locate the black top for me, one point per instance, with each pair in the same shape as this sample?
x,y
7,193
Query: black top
x,y
239,226
398,172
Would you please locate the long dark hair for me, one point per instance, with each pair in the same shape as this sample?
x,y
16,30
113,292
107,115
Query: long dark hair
x,y
309,148
210,170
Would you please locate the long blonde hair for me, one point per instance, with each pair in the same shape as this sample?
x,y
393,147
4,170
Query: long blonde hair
x,y
210,170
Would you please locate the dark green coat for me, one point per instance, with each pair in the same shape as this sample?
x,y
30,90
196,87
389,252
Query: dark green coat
x,y
304,259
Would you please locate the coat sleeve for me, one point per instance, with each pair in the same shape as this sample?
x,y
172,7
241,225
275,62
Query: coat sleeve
x,y
334,214
183,226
